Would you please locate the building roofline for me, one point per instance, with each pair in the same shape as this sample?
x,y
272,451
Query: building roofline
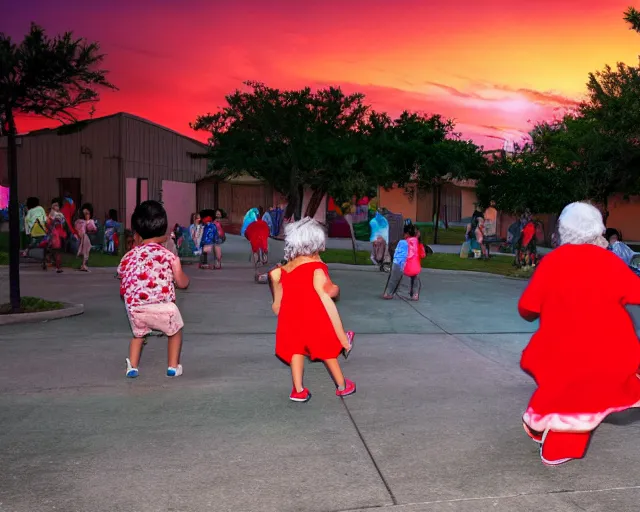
x,y
43,131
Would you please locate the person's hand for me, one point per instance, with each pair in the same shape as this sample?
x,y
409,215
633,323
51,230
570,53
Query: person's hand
x,y
332,290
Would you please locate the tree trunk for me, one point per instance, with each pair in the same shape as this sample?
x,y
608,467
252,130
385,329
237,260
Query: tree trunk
x,y
294,202
436,223
14,215
605,213
314,203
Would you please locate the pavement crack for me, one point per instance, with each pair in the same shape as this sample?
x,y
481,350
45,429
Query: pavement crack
x,y
394,501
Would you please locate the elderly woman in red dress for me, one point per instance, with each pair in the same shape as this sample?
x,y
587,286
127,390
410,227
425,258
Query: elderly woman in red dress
x,y
585,356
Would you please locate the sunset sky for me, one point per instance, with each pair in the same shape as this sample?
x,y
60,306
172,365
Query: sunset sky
x,y
495,66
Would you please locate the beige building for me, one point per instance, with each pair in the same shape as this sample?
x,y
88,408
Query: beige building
x,y
458,201
114,162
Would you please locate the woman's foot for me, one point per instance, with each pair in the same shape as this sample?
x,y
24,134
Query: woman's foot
x,y
349,388
387,296
536,436
415,297
300,396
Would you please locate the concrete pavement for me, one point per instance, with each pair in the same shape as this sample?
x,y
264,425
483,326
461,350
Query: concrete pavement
x,y
434,426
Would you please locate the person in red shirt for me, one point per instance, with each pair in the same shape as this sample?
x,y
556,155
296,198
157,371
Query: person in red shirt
x,y
585,355
258,233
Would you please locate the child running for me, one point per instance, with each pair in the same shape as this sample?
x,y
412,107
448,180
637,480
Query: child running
x,y
308,320
413,266
147,274
397,268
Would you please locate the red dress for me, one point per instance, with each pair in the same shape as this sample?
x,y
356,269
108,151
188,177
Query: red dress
x,y
258,235
585,355
304,326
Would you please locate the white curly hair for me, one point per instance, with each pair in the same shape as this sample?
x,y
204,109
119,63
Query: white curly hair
x,y
305,237
581,223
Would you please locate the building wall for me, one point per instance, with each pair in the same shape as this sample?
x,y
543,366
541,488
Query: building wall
x,y
234,198
624,215
102,154
159,154
90,154
419,206
397,200
469,200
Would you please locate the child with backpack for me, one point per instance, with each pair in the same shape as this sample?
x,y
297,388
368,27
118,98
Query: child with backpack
x,y
413,266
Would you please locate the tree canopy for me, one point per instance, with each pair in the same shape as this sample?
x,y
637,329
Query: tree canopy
x,y
591,153
330,142
290,139
49,77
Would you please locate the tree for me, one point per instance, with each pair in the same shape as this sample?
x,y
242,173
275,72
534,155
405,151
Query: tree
x,y
46,77
632,17
596,148
525,181
291,140
425,151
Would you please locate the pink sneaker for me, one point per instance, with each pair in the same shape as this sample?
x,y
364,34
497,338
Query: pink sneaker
x,y
349,388
302,396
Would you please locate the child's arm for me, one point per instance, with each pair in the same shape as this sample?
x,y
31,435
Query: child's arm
x,y
274,276
320,280
181,279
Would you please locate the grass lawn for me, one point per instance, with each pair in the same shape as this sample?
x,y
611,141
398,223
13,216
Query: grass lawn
x,y
32,305
452,236
501,265
97,259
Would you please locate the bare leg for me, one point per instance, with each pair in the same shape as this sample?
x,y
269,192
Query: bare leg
x,y
173,350
297,371
135,349
218,252
336,372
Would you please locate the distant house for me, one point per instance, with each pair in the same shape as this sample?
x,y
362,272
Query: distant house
x,y
457,201
115,161
237,195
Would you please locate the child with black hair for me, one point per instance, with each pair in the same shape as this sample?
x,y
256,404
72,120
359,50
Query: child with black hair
x,y
147,274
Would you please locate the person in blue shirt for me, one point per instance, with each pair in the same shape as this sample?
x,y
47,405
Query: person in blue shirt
x,y
399,260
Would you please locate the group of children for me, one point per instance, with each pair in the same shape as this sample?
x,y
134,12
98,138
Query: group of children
x,y
584,368
207,236
56,230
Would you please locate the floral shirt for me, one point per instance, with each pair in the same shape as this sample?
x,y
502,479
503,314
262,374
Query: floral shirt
x,y
146,276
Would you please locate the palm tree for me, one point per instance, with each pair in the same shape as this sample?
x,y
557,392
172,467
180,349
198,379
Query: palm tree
x,y
632,17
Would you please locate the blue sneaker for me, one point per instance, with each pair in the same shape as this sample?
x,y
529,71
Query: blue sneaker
x,y
132,372
174,372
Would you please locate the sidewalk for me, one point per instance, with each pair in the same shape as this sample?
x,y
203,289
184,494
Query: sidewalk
x,y
434,426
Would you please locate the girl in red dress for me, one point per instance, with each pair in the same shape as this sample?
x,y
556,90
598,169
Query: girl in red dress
x,y
585,355
308,320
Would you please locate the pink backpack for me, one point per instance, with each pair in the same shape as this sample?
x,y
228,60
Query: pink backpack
x,y
416,252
